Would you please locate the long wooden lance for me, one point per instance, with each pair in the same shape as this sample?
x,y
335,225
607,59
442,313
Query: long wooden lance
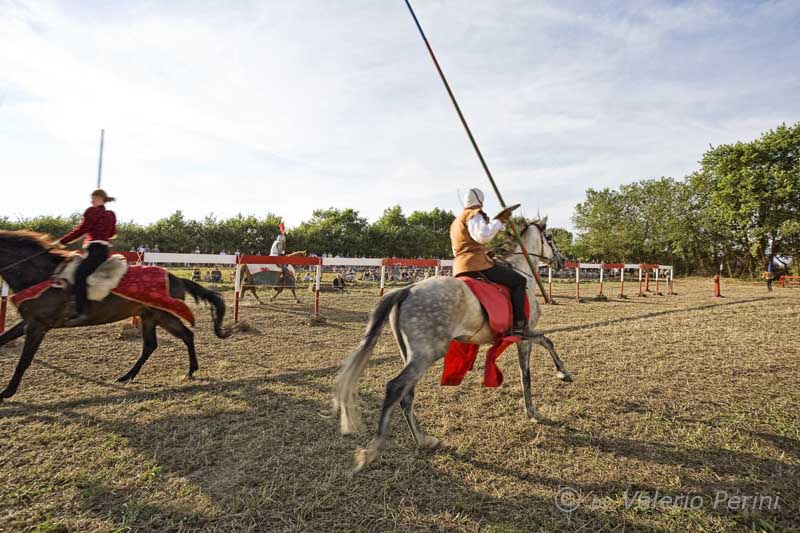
x,y
511,224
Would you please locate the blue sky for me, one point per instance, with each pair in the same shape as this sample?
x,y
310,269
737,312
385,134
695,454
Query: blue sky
x,y
284,107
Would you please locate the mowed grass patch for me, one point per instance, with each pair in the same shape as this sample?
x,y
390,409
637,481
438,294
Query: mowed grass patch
x,y
682,394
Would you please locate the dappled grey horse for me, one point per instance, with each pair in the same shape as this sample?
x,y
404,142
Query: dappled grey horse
x,y
425,317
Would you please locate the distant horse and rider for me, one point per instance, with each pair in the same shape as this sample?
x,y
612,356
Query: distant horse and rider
x,y
427,316
272,277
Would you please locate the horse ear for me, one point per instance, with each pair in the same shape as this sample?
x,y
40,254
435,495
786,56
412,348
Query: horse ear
x,y
544,222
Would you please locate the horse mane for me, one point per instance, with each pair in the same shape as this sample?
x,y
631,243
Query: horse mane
x,y
41,241
504,242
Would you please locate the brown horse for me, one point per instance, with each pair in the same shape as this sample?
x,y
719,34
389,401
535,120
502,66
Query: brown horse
x,y
285,281
28,258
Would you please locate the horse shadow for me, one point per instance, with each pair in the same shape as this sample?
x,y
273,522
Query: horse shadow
x,y
247,454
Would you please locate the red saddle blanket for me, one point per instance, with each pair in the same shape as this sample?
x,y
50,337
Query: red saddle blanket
x,y
460,358
147,285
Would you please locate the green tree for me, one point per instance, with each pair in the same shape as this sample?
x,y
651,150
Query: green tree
x,y
753,188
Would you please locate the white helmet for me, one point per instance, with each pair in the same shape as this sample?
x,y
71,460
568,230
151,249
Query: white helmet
x,y
473,198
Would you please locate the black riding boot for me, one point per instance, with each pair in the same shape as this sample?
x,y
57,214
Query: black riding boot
x,y
96,255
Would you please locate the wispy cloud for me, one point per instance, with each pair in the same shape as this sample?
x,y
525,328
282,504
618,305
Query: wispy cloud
x,y
289,106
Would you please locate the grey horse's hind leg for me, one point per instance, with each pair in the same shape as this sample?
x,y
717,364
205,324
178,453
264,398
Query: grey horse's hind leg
x,y
396,389
524,352
562,372
421,439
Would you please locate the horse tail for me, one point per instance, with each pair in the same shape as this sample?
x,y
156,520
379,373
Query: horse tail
x,y
199,292
345,395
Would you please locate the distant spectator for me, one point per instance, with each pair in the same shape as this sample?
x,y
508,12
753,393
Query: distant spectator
x,y
196,274
769,275
197,249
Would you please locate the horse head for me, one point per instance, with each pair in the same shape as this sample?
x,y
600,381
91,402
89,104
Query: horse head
x,y
539,243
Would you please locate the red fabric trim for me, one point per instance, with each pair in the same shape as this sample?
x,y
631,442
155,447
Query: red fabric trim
x,y
460,357
31,293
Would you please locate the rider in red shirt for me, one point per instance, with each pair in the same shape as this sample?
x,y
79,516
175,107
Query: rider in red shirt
x,y
99,225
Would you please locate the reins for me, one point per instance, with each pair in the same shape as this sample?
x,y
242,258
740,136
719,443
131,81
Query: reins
x,y
24,260
529,254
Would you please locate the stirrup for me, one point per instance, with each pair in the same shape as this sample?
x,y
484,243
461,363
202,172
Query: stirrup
x,y
523,332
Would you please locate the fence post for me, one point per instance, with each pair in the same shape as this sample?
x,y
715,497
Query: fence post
x,y
717,293
601,279
647,281
622,282
641,293
671,277
658,269
550,283
383,278
578,283
3,304
237,287
317,284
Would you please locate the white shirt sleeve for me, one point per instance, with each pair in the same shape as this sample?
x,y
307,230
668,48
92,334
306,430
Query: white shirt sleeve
x,y
480,231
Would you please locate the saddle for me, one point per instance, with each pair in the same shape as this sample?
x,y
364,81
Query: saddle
x,y
101,282
495,301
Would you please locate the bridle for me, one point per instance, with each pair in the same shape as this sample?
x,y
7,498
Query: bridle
x,y
546,259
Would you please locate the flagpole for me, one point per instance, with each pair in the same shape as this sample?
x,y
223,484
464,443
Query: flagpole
x,y
100,161
511,224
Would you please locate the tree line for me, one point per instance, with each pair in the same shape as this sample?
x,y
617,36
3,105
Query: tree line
x,y
739,209
741,206
342,232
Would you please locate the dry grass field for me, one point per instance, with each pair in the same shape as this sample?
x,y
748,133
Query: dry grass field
x,y
683,396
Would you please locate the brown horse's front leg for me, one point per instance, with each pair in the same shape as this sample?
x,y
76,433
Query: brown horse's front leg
x,y
14,333
34,334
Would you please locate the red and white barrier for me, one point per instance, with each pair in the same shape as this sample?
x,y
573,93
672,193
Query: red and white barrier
x,y
643,269
3,304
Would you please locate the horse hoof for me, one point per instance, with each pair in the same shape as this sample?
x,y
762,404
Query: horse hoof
x,y
189,377
124,379
429,443
538,418
364,456
565,377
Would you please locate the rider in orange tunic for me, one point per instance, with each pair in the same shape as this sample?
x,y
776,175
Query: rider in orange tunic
x,y
99,225
469,233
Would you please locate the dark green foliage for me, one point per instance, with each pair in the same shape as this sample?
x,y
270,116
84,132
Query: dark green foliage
x,y
331,231
742,205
